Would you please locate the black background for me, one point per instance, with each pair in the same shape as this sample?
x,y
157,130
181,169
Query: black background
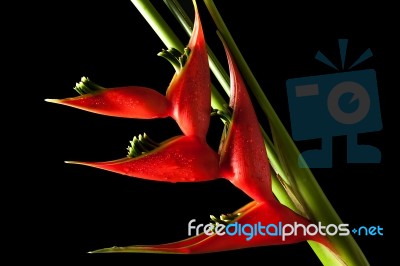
x,y
78,209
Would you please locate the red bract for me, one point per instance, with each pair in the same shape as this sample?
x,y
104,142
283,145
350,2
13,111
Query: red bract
x,y
264,214
180,159
244,159
188,98
128,102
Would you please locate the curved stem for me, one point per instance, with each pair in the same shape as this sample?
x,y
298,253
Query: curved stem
x,y
167,36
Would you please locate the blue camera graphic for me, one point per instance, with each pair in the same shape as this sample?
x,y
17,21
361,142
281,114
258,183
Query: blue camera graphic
x,y
338,104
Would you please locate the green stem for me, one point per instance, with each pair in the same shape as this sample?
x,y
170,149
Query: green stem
x,y
317,203
156,22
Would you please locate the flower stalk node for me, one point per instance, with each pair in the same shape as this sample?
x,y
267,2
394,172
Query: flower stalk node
x,y
224,218
86,86
175,57
141,145
225,114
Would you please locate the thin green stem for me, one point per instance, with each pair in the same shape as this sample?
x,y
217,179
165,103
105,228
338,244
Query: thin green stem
x,y
217,101
301,178
157,23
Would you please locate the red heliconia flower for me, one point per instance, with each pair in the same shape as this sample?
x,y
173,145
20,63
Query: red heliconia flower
x,y
279,219
187,100
242,155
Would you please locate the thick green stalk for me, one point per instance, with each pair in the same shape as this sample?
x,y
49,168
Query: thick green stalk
x,y
167,36
301,178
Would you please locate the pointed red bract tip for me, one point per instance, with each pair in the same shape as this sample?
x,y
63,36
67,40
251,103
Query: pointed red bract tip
x,y
127,102
182,159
